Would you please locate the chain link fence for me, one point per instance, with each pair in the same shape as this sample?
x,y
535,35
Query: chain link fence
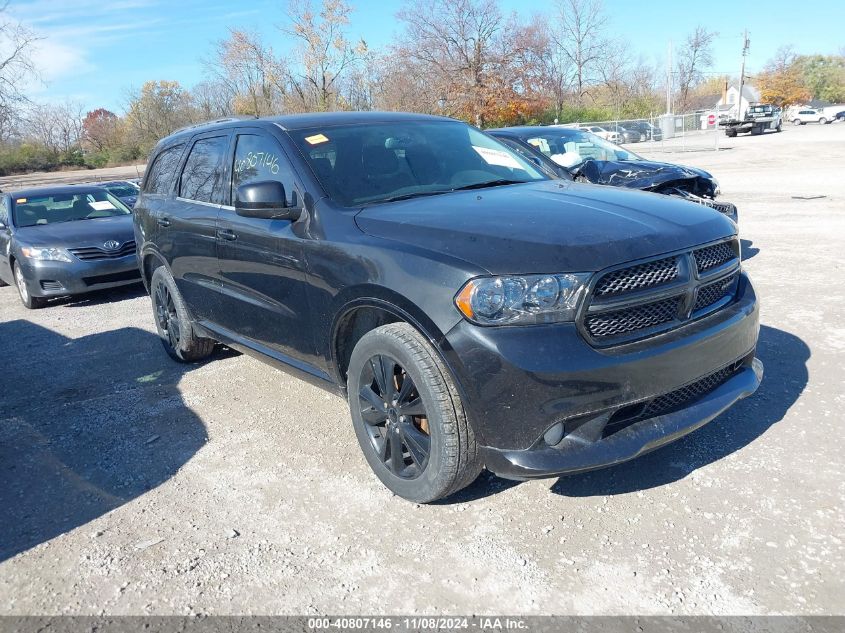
x,y
697,131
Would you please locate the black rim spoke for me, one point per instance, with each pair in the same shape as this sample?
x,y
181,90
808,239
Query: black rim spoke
x,y
404,390
418,443
397,459
414,407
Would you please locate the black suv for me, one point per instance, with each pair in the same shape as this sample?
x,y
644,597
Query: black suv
x,y
474,312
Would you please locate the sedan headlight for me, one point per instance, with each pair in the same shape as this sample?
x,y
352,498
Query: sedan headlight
x,y
523,299
45,254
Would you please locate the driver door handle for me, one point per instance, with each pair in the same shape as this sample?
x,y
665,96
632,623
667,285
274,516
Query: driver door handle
x,y
163,221
226,234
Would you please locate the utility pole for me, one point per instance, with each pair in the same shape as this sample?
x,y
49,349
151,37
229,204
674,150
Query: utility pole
x,y
745,44
669,81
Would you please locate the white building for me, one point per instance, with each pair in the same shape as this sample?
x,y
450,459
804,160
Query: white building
x,y
734,107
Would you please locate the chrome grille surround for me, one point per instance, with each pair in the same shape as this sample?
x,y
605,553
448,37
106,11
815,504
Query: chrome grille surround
x,y
91,253
620,308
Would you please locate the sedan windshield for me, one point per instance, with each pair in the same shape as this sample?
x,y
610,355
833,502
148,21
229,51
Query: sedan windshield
x,y
47,208
367,164
121,191
570,147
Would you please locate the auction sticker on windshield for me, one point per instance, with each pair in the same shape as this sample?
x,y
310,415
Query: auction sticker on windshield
x,y
497,157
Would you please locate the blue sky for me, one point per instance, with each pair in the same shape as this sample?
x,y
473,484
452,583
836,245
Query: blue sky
x,y
94,51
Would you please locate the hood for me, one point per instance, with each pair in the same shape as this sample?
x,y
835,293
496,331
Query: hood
x,y
77,234
547,226
129,201
647,175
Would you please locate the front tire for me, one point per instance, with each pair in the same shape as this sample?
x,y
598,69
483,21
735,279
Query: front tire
x,y
29,302
796,122
408,415
173,321
822,121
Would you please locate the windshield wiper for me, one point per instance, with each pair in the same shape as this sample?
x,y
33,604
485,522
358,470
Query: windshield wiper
x,y
408,196
490,183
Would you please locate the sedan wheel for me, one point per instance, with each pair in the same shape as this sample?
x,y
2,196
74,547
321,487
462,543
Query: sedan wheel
x,y
33,303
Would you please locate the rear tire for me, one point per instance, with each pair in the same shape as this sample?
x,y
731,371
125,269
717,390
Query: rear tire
x,y
408,415
173,321
29,302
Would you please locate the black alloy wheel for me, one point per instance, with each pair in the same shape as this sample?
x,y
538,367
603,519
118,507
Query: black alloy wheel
x,y
396,418
175,327
166,315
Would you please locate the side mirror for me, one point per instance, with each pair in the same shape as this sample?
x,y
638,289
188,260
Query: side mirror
x,y
266,200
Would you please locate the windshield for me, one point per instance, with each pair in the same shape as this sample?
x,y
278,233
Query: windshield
x,y
365,164
572,147
46,208
121,191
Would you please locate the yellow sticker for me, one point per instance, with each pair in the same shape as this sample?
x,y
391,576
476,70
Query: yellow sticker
x,y
317,138
20,201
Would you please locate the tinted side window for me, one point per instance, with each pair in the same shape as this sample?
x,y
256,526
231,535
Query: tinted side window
x,y
161,173
257,158
4,212
202,177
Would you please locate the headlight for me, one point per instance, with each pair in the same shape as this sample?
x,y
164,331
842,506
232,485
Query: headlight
x,y
716,188
46,254
524,299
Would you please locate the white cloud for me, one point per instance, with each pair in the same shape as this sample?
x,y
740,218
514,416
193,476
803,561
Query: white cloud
x,y
56,60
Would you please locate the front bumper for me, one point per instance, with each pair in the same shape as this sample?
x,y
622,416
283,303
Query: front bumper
x,y
519,382
57,279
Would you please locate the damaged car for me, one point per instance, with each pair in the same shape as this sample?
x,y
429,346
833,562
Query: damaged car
x,y
575,154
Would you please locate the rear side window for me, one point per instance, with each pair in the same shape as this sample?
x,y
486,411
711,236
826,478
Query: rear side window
x,y
4,212
202,177
161,173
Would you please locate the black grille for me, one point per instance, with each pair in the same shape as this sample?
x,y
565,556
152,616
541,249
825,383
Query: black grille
x,y
712,293
636,277
48,284
619,322
90,253
712,256
685,395
129,275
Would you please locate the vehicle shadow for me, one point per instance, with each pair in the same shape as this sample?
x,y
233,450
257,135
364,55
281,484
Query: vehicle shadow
x,y
785,358
83,431
98,297
747,250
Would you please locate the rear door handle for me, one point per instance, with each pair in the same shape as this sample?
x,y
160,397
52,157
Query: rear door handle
x,y
226,234
163,221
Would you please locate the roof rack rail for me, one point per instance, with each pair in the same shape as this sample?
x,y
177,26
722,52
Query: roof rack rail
x,y
227,119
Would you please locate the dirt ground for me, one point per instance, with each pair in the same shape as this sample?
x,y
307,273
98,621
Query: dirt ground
x,y
132,485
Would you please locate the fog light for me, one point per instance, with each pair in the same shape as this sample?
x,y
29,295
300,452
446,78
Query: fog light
x,y
554,435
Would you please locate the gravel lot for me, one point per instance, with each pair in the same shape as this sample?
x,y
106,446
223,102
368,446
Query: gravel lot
x,y
132,485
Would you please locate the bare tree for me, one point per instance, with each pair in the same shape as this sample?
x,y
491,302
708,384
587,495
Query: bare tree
x,y
578,37
58,127
250,72
552,65
214,99
324,54
694,57
458,41
16,66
